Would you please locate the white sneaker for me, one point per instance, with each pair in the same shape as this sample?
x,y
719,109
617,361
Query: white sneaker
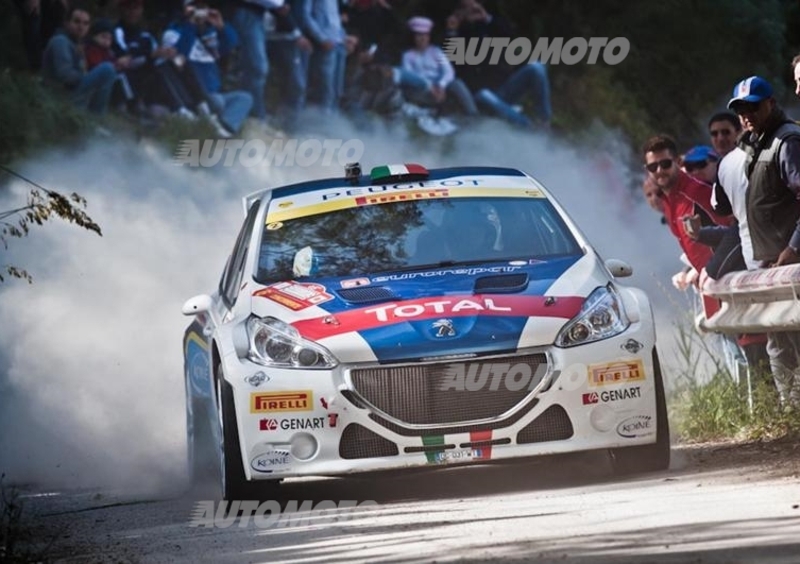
x,y
186,113
436,126
203,108
222,131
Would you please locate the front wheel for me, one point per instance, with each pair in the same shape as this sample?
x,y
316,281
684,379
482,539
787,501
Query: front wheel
x,y
653,457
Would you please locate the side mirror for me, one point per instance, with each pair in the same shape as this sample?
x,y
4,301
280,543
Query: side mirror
x,y
619,268
197,304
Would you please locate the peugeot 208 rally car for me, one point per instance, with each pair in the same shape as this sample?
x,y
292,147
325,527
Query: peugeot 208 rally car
x,y
416,317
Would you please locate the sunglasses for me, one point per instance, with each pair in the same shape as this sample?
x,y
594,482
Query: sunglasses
x,y
691,167
723,132
664,164
743,108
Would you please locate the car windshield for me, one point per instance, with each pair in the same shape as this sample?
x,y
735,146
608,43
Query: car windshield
x,y
406,235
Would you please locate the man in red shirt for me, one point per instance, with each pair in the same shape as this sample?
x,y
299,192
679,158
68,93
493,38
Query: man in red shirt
x,y
682,195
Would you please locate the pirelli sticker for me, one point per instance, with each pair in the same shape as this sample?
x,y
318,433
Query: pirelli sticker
x,y
616,373
271,402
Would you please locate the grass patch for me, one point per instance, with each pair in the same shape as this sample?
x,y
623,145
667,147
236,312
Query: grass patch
x,y
706,409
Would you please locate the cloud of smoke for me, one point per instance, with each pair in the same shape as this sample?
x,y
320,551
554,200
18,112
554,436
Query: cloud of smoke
x,y
91,369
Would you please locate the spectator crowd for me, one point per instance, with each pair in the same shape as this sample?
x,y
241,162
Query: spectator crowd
x,y
268,60
734,206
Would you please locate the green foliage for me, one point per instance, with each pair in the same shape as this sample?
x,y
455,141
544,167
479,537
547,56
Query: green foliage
x,y
33,117
719,408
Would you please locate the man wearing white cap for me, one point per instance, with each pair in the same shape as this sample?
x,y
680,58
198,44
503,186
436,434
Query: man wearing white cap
x,y
427,76
772,206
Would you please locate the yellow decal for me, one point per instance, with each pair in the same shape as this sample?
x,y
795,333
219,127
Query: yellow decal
x,y
616,373
266,402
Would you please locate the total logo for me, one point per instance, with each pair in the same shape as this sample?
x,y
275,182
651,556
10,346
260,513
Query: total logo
x,y
464,306
611,395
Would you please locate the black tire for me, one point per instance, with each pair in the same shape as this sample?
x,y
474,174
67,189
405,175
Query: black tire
x,y
235,485
653,457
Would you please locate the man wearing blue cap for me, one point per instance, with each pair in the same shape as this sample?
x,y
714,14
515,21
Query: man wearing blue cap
x,y
772,206
700,162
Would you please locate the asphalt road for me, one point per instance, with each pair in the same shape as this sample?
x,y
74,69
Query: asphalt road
x,y
720,505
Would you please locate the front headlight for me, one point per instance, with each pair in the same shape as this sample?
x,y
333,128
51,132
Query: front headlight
x,y
278,344
601,316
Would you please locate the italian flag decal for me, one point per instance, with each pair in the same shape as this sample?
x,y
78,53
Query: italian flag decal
x,y
386,171
434,456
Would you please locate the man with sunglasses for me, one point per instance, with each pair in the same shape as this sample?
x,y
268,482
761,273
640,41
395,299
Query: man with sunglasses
x,y
682,195
700,162
772,141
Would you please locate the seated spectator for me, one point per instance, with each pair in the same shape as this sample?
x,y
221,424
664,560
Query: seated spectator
x,y
203,38
700,162
63,64
427,77
156,74
498,87
97,50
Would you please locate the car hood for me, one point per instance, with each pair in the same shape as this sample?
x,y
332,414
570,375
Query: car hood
x,y
451,310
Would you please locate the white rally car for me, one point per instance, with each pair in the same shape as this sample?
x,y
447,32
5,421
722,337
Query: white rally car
x,y
416,317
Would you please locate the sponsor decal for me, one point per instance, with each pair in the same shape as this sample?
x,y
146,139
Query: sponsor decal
x,y
295,295
402,196
263,402
257,379
274,226
355,282
616,373
612,395
632,346
333,418
292,424
636,426
448,272
361,319
270,461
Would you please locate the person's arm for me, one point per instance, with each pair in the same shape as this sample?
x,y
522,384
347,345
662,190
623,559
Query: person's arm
x,y
309,25
447,73
64,68
720,202
789,164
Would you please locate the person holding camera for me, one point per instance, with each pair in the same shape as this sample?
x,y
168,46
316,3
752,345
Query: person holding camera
x,y
203,38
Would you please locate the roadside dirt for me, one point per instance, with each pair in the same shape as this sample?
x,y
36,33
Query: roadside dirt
x,y
778,458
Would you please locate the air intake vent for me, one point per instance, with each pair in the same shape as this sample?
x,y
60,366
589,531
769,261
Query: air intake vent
x,y
503,284
367,294
360,442
552,425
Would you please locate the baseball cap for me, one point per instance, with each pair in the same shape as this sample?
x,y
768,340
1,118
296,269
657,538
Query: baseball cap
x,y
699,154
753,89
420,24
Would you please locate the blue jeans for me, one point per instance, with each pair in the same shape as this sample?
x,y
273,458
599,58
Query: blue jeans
x,y
417,90
323,72
94,90
232,107
253,56
530,79
293,70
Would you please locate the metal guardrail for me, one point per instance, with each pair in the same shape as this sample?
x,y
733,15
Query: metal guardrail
x,y
757,301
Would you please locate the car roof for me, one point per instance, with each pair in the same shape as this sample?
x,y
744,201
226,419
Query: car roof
x,y
365,180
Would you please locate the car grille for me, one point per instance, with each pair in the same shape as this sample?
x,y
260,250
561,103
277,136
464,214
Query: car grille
x,y
360,442
552,425
414,394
